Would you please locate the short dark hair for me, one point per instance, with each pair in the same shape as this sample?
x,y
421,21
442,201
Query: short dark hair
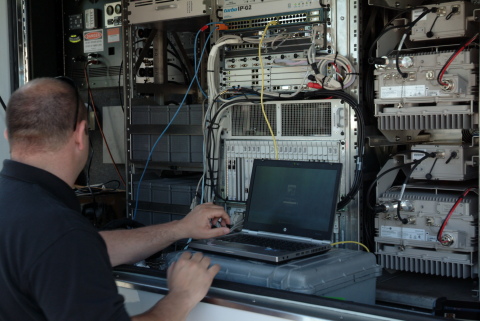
x,y
40,114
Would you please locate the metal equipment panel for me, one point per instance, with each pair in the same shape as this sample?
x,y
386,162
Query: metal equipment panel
x,y
92,34
144,11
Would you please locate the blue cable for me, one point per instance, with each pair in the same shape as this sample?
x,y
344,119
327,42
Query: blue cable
x,y
168,125
200,60
195,63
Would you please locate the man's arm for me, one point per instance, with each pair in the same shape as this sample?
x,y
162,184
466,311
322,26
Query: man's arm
x,y
130,246
188,281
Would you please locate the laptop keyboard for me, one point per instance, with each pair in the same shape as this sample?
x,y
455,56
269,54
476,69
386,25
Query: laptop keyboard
x,y
267,242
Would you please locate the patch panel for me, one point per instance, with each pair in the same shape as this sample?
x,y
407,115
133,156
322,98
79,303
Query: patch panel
x,y
237,9
284,20
239,156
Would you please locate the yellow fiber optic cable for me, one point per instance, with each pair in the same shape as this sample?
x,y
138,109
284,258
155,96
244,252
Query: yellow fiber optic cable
x,y
262,89
354,242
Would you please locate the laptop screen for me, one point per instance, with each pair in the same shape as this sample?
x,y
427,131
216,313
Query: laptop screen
x,y
293,197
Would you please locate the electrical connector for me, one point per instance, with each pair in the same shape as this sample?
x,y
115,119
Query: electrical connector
x,y
380,208
328,82
221,26
332,83
314,85
383,61
320,78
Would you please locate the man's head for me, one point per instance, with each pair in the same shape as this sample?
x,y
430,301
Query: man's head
x,y
47,127
40,116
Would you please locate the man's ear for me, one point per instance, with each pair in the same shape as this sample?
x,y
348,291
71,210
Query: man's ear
x,y
5,134
80,132
86,127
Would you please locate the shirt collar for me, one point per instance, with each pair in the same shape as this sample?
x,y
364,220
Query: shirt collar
x,y
51,183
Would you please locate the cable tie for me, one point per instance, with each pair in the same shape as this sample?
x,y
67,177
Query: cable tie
x,y
205,27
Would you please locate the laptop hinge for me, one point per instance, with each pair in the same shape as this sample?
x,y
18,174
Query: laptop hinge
x,y
284,236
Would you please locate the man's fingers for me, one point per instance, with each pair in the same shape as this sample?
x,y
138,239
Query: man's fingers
x,y
196,257
205,262
225,217
186,256
219,231
170,268
202,260
216,212
213,270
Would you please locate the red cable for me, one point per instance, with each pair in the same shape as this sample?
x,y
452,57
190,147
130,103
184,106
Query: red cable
x,y
450,213
314,85
452,58
444,69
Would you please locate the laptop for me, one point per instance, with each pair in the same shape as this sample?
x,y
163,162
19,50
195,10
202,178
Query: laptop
x,y
291,202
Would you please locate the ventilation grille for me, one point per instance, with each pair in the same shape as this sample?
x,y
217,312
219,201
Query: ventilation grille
x,y
296,119
426,266
448,198
113,71
420,122
248,120
307,119
98,72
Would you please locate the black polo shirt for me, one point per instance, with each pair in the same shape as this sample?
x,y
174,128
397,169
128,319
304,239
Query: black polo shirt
x,y
53,263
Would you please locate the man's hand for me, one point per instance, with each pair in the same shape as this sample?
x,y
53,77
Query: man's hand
x,y
190,277
130,246
188,281
198,223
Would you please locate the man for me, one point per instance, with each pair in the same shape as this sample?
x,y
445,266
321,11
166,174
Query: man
x,y
53,264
